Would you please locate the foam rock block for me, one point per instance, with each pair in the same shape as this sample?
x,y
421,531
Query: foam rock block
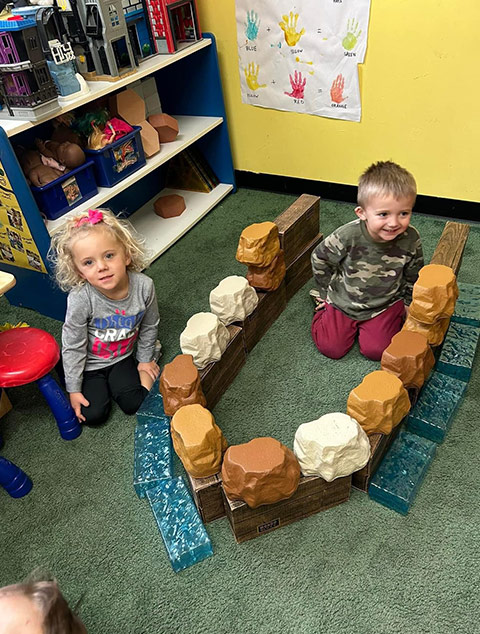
x,y
434,294
259,244
434,333
379,403
169,206
197,440
268,278
165,125
205,338
180,384
262,471
233,299
332,447
409,357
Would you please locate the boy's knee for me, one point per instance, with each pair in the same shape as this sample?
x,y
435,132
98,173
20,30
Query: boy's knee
x,y
372,351
332,351
130,401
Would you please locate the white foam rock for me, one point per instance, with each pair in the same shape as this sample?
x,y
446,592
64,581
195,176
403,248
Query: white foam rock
x,y
233,299
205,338
332,447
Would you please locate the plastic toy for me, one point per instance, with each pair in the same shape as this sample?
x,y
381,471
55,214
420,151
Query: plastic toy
x,y
174,23
139,30
15,482
64,155
37,173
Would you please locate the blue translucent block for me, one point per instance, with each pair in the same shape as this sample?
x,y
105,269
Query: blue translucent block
x,y
458,351
433,413
400,474
467,308
153,454
152,406
183,532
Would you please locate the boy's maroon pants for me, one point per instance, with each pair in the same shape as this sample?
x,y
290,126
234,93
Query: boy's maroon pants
x,y
334,333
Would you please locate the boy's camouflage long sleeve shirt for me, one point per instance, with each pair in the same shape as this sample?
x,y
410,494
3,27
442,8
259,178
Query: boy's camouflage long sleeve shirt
x,y
361,277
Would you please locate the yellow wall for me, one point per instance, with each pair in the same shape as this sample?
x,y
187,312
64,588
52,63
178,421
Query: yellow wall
x,y
420,88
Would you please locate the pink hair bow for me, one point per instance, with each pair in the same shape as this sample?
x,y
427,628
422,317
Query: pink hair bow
x,y
94,216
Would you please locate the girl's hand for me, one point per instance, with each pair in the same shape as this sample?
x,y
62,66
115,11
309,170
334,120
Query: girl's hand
x,y
76,401
150,368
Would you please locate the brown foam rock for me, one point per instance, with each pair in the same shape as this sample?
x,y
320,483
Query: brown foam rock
x,y
379,403
129,106
262,471
268,278
197,440
409,357
165,125
149,136
434,294
233,299
169,206
180,384
259,244
434,333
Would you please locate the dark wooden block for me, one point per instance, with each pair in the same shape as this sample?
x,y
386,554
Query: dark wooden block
x,y
300,271
313,495
208,498
298,225
270,305
217,376
379,443
450,247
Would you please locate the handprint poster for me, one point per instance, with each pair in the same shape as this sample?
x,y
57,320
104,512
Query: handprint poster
x,y
303,56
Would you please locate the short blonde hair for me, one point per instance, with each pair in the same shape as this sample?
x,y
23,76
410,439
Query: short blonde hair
x,y
79,226
385,178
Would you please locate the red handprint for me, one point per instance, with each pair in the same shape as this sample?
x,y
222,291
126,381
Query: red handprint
x,y
336,90
298,86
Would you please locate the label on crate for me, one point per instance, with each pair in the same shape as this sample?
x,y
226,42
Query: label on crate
x,y
268,526
71,190
125,155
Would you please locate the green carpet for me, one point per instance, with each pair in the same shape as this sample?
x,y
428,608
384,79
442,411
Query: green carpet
x,y
358,568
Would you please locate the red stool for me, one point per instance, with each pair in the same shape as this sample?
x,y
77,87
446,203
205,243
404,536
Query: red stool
x,y
29,354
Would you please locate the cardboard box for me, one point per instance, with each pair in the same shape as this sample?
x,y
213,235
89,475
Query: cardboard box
x,y
298,226
300,271
208,498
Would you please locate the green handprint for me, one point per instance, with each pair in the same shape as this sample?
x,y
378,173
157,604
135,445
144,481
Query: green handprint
x,y
353,33
289,27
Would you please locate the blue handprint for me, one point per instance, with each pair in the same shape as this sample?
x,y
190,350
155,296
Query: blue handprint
x,y
251,25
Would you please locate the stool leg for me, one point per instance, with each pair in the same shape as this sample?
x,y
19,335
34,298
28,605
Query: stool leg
x,y
67,422
15,482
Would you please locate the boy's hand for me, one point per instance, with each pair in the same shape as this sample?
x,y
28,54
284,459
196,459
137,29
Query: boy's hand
x,y
150,368
76,401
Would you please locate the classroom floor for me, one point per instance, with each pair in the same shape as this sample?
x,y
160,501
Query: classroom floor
x,y
357,568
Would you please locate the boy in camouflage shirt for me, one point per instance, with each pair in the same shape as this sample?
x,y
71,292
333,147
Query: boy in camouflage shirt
x,y
366,269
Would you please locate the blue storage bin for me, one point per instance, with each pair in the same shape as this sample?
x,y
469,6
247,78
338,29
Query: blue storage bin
x,y
118,160
67,191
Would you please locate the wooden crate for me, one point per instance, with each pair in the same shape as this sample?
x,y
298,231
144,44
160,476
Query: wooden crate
x,y
379,443
300,271
217,376
270,305
208,498
313,495
298,226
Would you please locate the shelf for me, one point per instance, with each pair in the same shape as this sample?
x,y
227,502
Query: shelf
x,y
190,130
101,88
162,233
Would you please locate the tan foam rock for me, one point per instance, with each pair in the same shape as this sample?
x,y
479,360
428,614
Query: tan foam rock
x,y
149,136
129,106
197,440
409,357
268,278
180,384
259,244
205,338
233,299
379,403
262,471
169,206
434,294
434,333
332,447
165,125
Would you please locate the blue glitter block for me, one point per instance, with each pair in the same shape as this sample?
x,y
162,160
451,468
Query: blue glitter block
x,y
397,480
183,532
467,308
153,454
152,406
433,413
458,351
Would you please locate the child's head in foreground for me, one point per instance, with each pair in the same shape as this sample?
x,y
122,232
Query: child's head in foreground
x,y
386,196
93,232
36,607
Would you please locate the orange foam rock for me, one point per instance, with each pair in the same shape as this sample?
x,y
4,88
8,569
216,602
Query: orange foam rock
x,y
180,384
268,278
165,125
197,440
169,206
379,403
409,357
129,106
262,471
259,244
434,333
434,294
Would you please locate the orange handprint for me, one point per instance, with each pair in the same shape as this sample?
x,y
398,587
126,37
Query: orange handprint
x,y
336,89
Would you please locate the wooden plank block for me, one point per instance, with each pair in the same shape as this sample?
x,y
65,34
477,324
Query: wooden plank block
x,y
313,495
379,444
450,247
208,498
270,305
5,405
300,271
217,376
298,225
